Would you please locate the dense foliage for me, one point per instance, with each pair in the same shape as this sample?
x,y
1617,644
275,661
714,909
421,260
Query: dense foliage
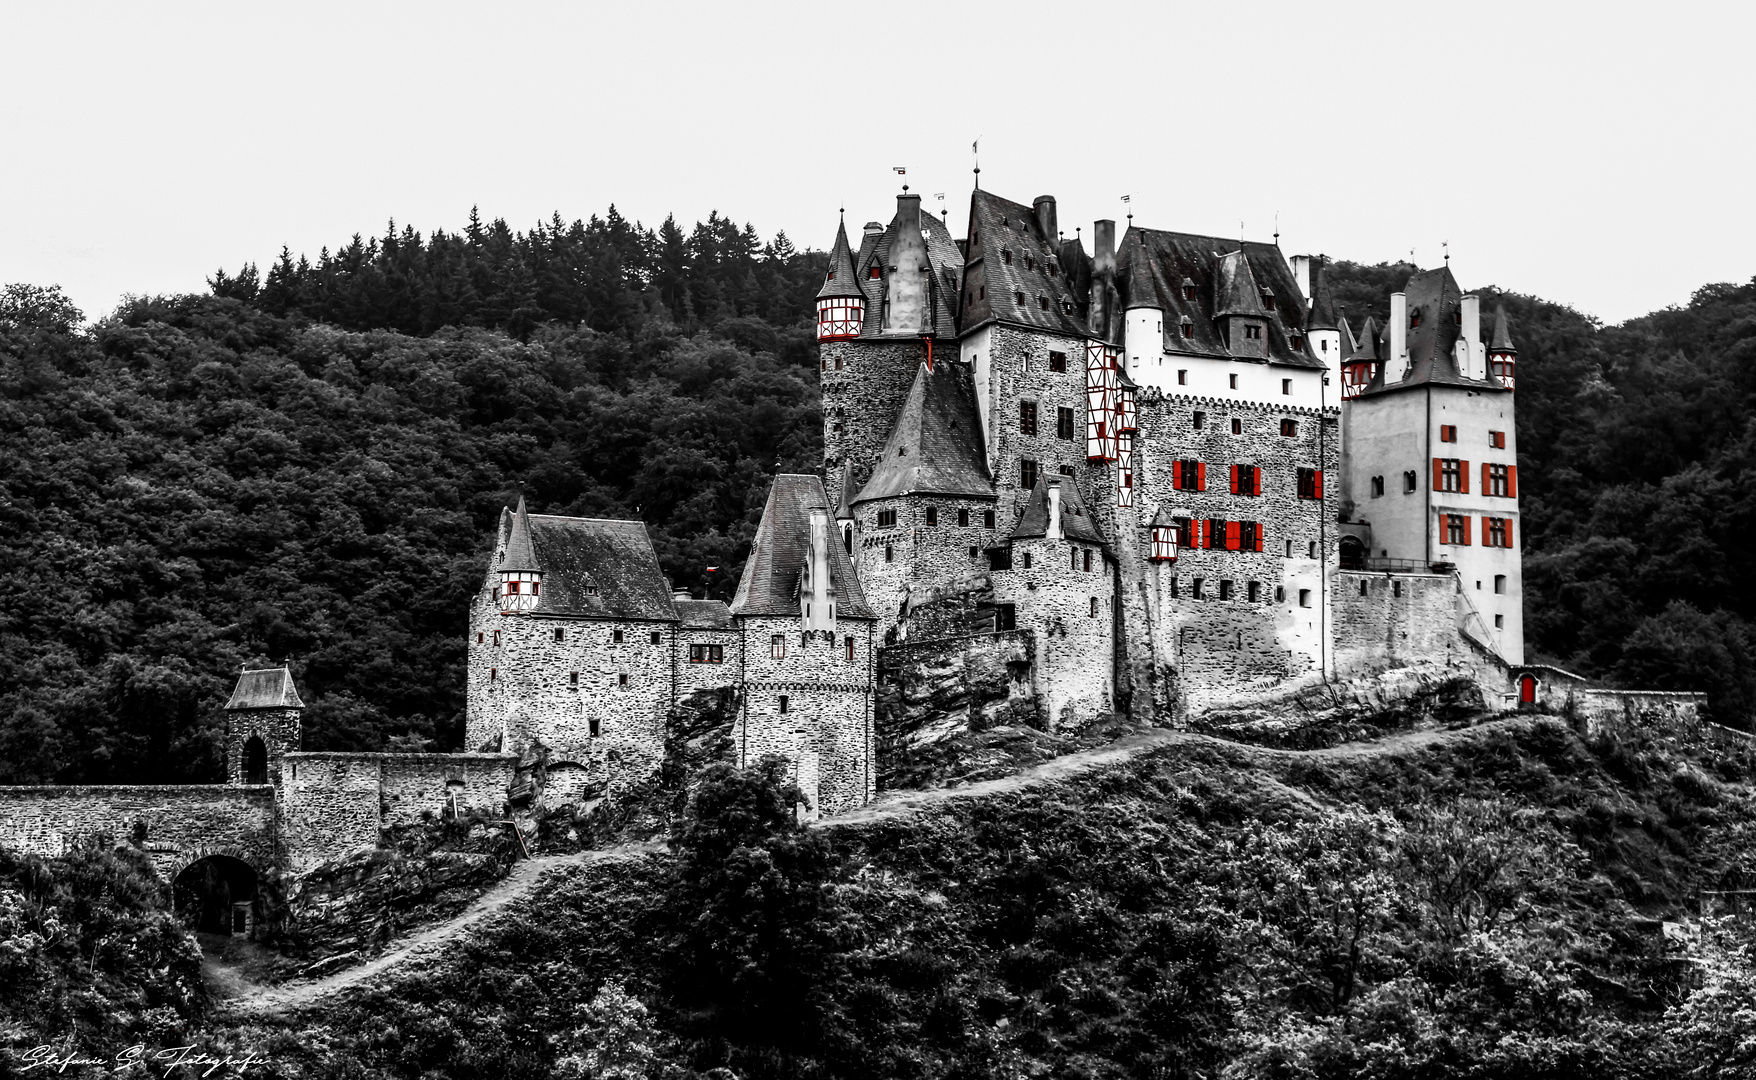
x,y
309,464
90,959
1461,909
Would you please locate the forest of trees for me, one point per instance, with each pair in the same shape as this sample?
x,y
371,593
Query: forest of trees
x,y
307,464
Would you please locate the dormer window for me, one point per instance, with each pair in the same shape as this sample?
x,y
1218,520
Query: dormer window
x,y
1029,263
1267,299
1043,302
1252,331
1187,326
1414,320
1018,298
1296,341
1050,268
1006,256
1188,289
875,272
829,276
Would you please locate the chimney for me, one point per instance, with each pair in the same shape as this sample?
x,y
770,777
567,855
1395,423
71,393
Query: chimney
x,y
681,594
1045,208
1397,361
873,228
1472,337
1055,508
1103,275
819,596
1302,274
905,304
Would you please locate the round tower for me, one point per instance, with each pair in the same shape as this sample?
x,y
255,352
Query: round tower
x,y
1502,356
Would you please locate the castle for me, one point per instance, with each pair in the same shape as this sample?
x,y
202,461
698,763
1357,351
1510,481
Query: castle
x,y
1152,480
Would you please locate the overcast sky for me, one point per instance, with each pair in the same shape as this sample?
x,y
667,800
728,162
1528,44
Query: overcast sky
x,y
1595,154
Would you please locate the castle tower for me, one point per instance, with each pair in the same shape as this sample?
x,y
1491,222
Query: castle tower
x,y
1431,451
262,724
521,583
841,306
1323,337
1502,356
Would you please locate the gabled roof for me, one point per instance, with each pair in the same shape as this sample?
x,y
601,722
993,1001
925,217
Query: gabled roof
x,y
1163,517
1152,266
1502,339
519,556
770,585
1433,303
1322,313
841,280
1236,291
265,688
594,567
703,614
935,446
992,284
1076,522
943,257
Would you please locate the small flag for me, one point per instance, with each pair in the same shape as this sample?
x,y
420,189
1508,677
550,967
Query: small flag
x,y
940,196
713,569
1125,198
900,171
972,146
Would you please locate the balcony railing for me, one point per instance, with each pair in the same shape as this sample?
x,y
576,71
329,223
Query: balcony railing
x,y
1388,566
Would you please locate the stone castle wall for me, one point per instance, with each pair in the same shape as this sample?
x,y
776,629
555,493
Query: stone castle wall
x,y
333,804
176,823
1394,620
899,562
277,728
863,384
1074,640
825,727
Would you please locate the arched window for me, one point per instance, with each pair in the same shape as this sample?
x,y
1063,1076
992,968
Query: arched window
x,y
255,761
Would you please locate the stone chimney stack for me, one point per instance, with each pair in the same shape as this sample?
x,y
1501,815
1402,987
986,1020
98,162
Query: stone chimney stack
x,y
1103,275
1054,530
905,295
1397,362
1045,208
820,596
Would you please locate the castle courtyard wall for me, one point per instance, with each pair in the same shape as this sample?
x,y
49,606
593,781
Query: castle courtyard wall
x,y
826,728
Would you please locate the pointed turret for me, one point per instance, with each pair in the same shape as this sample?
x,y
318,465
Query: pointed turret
x,y
841,306
520,579
1322,313
1164,536
1361,364
844,510
1502,354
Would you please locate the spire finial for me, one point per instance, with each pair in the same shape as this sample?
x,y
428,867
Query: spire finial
x,y
1446,244
1277,228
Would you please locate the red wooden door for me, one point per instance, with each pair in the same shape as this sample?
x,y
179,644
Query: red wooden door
x,y
1527,690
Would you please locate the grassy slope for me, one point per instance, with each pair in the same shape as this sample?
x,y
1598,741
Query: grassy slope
x,y
1123,925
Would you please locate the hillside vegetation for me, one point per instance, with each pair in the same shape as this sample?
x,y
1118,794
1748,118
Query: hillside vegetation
x,y
1481,905
308,463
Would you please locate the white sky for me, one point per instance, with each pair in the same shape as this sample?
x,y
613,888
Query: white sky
x,y
1595,154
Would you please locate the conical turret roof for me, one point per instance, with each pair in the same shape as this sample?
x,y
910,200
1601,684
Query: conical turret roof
x,y
1238,293
1367,347
1163,517
520,555
840,281
844,511
1502,341
1322,313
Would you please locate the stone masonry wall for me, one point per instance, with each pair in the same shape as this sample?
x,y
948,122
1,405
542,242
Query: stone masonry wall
x,y
826,725
1393,620
522,677
1224,650
176,823
696,677
912,557
1074,644
1675,714
277,728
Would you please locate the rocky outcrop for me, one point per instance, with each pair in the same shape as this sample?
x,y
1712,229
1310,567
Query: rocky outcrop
x,y
1366,706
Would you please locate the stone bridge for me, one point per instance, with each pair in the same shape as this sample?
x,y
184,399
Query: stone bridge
x,y
176,824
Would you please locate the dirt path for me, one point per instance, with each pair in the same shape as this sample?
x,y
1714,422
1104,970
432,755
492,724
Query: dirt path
x,y
516,885
524,877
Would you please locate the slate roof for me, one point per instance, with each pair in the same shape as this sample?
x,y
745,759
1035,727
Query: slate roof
x,y
1502,339
704,614
519,556
770,585
580,555
1366,348
844,510
840,279
1321,316
1152,265
935,446
1163,517
1076,521
1433,295
1236,289
992,285
265,688
942,255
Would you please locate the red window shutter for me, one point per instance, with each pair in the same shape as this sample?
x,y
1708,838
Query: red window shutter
x,y
1319,479
1487,531
1255,479
1177,475
1201,476
1438,474
1204,533
1232,530
1466,521
1259,532
1487,485
1463,477
1512,481
1509,532
1234,479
